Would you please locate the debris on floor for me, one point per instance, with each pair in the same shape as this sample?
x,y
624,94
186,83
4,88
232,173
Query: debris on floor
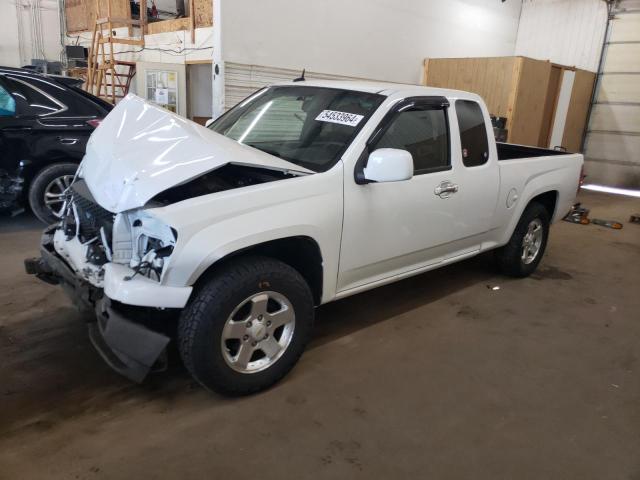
x,y
607,223
635,218
578,214
493,287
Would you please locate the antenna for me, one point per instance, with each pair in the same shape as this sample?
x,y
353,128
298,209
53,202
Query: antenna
x,y
301,77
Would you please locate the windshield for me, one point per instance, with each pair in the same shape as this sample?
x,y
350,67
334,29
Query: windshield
x,y
308,126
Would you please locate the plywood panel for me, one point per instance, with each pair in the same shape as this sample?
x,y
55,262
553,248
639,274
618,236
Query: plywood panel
x,y
203,13
169,26
622,118
76,15
623,57
553,89
491,78
528,109
619,88
81,14
576,121
625,28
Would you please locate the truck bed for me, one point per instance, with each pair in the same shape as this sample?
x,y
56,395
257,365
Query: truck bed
x,y
510,151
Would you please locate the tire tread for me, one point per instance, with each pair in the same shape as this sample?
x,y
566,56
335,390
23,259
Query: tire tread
x,y
219,288
508,258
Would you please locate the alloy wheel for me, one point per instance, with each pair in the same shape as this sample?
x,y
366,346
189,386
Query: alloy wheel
x,y
55,196
258,332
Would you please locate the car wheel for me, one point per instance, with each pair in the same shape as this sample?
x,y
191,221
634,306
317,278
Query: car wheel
x,y
521,256
46,193
246,326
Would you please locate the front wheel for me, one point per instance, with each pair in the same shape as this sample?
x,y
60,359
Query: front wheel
x,y
47,191
246,326
521,256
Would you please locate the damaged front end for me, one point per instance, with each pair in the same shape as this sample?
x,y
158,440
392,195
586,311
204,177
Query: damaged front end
x,y
111,265
94,240
112,251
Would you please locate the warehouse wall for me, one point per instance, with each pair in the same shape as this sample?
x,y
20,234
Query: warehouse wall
x,y
199,88
28,33
569,32
613,140
9,46
377,39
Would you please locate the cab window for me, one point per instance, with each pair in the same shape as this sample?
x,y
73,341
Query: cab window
x,y
7,104
473,133
423,132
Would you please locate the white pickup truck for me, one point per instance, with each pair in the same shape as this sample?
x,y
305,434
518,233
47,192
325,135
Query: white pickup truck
x,y
302,194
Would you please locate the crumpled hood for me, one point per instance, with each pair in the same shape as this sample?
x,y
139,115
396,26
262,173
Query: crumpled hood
x,y
140,150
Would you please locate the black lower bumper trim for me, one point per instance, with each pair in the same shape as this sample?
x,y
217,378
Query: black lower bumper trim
x,y
128,347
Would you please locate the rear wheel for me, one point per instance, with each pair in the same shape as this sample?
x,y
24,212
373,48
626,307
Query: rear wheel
x,y
521,256
247,326
46,193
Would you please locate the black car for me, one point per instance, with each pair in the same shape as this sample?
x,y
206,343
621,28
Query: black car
x,y
45,122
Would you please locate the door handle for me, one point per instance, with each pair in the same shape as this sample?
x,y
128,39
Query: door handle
x,y
68,141
446,189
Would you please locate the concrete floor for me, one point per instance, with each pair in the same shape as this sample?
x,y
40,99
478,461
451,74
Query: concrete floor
x,y
434,377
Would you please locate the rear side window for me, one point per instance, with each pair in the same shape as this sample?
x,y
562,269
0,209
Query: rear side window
x,y
7,104
423,133
473,133
31,101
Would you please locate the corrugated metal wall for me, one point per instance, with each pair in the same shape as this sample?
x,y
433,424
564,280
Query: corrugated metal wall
x,y
242,80
569,32
612,150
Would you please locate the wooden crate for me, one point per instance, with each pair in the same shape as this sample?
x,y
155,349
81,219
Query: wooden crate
x,y
523,90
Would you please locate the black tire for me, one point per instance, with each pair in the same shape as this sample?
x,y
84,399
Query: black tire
x,y
509,257
39,185
201,324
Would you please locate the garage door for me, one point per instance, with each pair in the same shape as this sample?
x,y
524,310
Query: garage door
x,y
242,80
612,150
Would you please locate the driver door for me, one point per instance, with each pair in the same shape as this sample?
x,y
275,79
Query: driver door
x,y
394,228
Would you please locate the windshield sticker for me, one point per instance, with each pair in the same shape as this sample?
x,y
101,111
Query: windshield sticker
x,y
343,118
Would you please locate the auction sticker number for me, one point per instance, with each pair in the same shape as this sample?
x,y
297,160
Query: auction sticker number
x,y
343,118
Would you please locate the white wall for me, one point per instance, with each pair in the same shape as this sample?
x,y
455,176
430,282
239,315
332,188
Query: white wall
x,y
377,39
9,47
568,32
23,38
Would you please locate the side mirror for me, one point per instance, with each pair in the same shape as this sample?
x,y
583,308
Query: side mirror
x,y
208,122
389,165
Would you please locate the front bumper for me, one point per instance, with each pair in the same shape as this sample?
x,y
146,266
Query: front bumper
x,y
127,346
51,268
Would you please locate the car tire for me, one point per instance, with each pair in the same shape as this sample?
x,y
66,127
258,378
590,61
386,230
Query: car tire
x,y
226,325
48,186
521,256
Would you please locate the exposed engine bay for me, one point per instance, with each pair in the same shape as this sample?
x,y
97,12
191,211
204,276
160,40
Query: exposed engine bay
x,y
227,177
91,236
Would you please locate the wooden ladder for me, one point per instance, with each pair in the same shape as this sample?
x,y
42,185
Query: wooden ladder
x,y
108,77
